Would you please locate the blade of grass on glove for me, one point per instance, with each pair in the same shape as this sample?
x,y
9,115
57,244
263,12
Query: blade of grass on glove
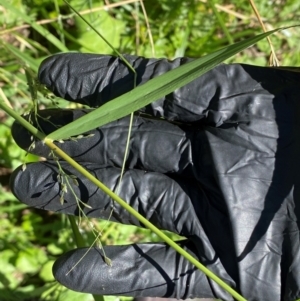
x,y
152,90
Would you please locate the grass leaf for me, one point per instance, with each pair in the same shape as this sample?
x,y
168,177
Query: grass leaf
x,y
152,90
41,30
22,56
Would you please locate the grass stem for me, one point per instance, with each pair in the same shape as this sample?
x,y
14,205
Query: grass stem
x,y
143,220
22,121
221,22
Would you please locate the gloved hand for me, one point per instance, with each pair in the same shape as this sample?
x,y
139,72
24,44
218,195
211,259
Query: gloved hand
x,y
216,161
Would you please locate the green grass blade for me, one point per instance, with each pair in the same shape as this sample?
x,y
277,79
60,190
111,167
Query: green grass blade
x,y
22,56
60,23
41,30
80,243
152,90
221,22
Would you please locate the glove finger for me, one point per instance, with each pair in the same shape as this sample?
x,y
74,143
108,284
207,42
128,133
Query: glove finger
x,y
155,145
138,270
215,97
160,199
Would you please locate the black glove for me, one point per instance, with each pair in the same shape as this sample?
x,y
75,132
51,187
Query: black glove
x,y
221,168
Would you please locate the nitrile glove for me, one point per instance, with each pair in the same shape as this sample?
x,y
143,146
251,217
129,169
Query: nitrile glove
x,y
216,161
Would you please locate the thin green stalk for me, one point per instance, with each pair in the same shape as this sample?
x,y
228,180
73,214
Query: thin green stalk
x,y
60,23
77,235
79,240
103,38
22,121
143,220
98,298
221,22
134,85
121,202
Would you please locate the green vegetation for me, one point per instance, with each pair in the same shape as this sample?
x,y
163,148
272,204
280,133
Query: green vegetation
x,y
30,240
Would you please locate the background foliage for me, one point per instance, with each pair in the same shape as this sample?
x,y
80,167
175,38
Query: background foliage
x,y
30,30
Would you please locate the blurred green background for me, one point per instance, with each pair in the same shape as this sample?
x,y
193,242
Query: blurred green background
x,y
31,240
